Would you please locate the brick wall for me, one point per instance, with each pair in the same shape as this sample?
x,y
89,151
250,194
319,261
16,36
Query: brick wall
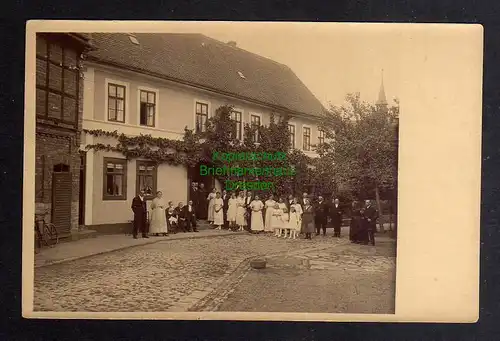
x,y
58,143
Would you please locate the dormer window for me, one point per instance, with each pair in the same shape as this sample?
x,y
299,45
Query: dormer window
x,y
241,75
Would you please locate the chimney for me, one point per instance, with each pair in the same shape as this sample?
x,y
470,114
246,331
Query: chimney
x,y
231,43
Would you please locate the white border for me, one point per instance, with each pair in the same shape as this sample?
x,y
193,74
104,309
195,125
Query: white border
x,y
209,110
127,99
157,106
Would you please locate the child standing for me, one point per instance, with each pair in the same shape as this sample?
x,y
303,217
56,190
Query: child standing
x,y
276,222
294,223
286,223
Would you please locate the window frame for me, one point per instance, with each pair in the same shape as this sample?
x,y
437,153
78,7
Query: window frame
x,y
105,195
125,102
47,63
147,163
304,128
321,136
241,124
196,114
141,89
256,138
294,145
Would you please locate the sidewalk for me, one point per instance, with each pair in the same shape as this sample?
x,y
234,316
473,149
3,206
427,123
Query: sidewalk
x,y
107,243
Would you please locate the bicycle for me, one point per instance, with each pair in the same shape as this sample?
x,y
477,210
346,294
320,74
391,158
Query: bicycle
x,y
45,233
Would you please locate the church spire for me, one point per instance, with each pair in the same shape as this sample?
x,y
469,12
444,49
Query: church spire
x,y
382,101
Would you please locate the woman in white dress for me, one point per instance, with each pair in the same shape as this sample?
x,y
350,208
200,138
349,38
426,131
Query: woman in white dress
x,y
257,222
218,213
211,202
158,218
231,211
293,223
240,211
298,211
269,204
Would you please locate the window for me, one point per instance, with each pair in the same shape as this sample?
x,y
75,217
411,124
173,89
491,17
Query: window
x,y
236,117
57,82
116,103
306,145
255,121
147,108
115,179
201,116
321,136
291,129
146,178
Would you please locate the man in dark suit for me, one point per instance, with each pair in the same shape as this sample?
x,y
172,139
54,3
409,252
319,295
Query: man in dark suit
x,y
370,219
140,215
225,207
189,215
336,217
181,220
320,215
202,204
248,201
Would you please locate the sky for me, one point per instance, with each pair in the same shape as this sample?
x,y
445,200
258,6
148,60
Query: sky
x,y
332,60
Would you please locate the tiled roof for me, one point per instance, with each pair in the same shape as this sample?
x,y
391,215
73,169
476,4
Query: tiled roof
x,y
202,61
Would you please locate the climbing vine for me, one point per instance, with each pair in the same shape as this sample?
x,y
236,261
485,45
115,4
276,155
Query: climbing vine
x,y
195,148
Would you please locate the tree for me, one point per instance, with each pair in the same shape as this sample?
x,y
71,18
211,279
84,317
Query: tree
x,y
360,149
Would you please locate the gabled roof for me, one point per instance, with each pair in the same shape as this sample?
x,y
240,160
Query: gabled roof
x,y
208,63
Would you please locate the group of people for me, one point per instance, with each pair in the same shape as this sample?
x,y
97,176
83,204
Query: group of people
x,y
286,217
165,218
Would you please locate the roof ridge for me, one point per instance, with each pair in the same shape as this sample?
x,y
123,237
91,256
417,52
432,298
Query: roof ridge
x,y
246,51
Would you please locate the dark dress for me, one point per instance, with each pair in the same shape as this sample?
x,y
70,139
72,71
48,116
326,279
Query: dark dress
x,y
355,225
308,220
202,205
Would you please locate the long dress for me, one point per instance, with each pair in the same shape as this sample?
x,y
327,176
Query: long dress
x,y
231,211
257,221
276,221
269,213
158,217
240,212
211,202
218,211
298,210
308,220
294,222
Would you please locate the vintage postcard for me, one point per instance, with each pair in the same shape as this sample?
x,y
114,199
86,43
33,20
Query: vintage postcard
x,y
252,171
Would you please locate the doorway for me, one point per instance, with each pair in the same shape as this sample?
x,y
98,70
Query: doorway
x,y
81,194
61,199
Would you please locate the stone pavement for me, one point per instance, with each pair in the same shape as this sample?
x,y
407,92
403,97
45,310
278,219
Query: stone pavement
x,y
189,274
64,252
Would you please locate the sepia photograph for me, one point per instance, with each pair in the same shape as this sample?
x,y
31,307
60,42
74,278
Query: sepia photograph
x,y
217,168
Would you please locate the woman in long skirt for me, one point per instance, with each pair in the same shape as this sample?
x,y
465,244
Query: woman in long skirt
x,y
231,211
308,219
240,211
158,218
218,211
354,225
298,211
269,205
211,202
257,222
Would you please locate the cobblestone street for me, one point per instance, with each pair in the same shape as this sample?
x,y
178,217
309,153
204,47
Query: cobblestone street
x,y
213,274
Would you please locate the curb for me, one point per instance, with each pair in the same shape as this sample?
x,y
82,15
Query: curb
x,y
131,246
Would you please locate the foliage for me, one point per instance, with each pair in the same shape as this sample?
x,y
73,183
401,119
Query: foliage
x,y
196,148
360,151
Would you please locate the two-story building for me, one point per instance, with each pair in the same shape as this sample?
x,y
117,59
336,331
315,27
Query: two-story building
x,y
59,93
158,84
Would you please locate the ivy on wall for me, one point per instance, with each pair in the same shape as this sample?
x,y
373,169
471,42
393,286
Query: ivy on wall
x,y
196,148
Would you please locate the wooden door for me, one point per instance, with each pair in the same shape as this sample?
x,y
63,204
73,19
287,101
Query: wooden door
x,y
61,202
